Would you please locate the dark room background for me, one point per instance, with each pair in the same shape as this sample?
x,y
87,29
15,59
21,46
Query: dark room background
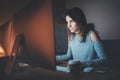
x,y
104,14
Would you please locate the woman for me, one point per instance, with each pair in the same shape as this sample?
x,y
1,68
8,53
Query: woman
x,y
83,44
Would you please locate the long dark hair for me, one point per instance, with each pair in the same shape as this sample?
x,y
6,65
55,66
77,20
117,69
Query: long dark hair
x,y
79,17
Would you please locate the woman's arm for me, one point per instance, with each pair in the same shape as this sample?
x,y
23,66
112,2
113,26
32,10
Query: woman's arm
x,y
98,47
65,56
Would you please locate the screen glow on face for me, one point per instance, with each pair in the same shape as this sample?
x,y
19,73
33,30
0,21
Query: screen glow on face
x,y
72,25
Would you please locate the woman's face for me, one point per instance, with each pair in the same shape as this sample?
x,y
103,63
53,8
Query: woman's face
x,y
72,25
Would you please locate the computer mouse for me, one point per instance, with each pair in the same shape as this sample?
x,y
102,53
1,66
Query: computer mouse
x,y
88,69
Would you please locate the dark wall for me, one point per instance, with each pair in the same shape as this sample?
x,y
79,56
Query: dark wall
x,y
112,49
10,7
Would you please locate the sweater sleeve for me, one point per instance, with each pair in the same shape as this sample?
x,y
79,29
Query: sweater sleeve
x,y
101,57
65,56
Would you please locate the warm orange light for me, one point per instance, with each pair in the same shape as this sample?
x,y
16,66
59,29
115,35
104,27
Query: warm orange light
x,y
2,52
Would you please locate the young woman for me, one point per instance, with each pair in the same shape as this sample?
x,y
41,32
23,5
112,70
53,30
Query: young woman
x,y
83,44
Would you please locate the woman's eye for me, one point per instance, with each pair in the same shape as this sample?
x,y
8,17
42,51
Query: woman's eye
x,y
71,20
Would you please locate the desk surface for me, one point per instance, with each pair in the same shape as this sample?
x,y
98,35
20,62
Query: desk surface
x,y
45,74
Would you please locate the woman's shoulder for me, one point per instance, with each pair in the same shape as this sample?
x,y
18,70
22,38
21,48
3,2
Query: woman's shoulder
x,y
94,36
92,32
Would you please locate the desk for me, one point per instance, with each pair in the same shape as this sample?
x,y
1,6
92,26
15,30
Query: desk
x,y
38,73
45,74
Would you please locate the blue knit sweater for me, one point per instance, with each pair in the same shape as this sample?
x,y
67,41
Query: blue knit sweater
x,y
89,53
